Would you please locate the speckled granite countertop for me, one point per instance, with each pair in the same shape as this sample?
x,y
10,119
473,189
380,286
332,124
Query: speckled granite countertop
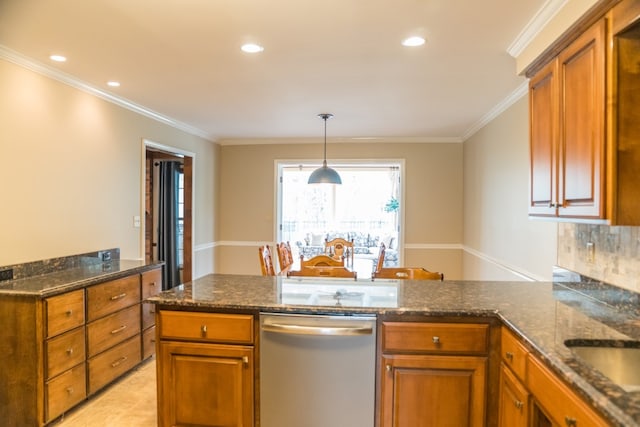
x,y
544,314
57,282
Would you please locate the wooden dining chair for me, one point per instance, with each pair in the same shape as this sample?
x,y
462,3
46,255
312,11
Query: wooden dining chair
x,y
415,273
266,263
321,261
285,257
380,262
323,271
340,248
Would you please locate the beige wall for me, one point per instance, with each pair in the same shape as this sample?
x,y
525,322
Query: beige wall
x,y
501,242
433,200
71,172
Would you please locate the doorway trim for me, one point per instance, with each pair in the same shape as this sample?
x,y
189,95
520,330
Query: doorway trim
x,y
189,187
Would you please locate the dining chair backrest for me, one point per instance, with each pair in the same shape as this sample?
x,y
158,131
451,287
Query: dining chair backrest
x,y
415,273
285,257
321,261
380,262
266,263
340,248
323,271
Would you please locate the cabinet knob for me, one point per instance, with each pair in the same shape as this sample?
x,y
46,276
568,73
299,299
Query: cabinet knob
x,y
69,312
518,404
245,360
388,367
509,356
436,340
69,351
70,390
203,329
570,422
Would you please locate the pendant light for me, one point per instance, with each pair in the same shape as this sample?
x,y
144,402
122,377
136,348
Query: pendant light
x,y
324,174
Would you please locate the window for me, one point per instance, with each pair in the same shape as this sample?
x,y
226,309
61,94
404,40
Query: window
x,y
365,208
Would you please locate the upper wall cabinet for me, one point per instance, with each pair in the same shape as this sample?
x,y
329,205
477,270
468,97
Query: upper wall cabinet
x,y
584,111
567,132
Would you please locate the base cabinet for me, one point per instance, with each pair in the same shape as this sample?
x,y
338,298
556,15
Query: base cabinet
x,y
433,374
205,365
433,391
514,400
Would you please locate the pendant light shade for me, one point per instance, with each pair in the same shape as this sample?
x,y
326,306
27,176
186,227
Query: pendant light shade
x,y
324,174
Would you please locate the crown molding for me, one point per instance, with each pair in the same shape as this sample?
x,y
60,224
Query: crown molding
x,y
40,68
535,25
521,91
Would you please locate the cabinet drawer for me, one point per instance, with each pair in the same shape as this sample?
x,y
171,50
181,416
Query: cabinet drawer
x,y
64,351
232,328
148,315
151,283
514,354
109,365
113,329
64,312
435,337
112,296
557,399
149,342
65,391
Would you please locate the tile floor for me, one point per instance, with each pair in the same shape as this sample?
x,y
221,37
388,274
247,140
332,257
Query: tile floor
x,y
129,402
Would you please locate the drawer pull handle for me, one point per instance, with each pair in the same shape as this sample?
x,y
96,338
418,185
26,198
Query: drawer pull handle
x,y
69,351
115,297
153,340
120,329
70,390
203,329
69,312
509,356
570,422
119,361
436,340
152,284
152,311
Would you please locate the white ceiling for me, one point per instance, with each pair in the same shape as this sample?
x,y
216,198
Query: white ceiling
x,y
181,59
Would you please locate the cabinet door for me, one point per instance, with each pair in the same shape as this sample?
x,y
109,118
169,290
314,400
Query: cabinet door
x,y
431,391
205,385
582,109
543,122
514,400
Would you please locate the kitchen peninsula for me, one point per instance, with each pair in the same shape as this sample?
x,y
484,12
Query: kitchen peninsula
x,y
511,325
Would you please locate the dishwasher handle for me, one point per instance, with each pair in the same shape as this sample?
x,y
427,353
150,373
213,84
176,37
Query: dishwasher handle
x,y
283,328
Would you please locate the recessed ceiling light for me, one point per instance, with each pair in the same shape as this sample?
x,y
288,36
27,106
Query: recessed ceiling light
x,y
57,58
113,83
413,41
251,48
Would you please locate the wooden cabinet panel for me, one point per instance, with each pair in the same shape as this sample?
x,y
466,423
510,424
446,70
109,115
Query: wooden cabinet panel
x,y
112,296
64,352
422,390
64,312
112,363
149,342
435,337
514,401
582,133
110,330
557,400
231,328
205,385
65,391
514,354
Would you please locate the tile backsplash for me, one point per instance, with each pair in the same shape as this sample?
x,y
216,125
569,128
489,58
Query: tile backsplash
x,y
616,255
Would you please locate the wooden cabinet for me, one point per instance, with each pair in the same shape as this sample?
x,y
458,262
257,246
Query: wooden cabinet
x,y
57,351
433,374
567,131
151,283
205,369
531,395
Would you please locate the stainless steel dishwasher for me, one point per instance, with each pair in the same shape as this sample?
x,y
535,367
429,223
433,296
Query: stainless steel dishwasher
x,y
317,370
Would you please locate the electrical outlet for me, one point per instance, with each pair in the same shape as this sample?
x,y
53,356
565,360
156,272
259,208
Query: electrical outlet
x,y
6,274
591,252
104,256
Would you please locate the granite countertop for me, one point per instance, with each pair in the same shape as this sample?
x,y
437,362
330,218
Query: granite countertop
x,y
46,285
543,314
